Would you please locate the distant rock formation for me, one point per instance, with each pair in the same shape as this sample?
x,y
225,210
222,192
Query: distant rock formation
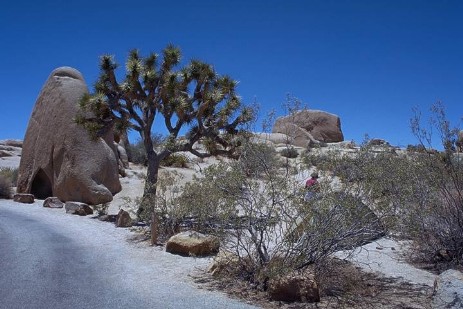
x,y
308,127
59,158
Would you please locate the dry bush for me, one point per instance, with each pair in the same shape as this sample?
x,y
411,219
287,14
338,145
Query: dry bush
x,y
8,178
257,209
170,215
138,152
289,152
5,188
175,160
9,173
417,194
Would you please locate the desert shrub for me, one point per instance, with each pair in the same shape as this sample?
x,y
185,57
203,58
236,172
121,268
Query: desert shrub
x,y
256,158
170,215
265,223
419,194
211,146
416,148
5,188
175,160
138,152
321,161
289,152
8,177
433,185
101,209
9,173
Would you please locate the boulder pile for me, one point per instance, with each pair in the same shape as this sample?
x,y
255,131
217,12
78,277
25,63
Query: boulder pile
x,y
308,127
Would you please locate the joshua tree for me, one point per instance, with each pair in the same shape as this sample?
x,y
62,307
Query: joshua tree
x,y
193,99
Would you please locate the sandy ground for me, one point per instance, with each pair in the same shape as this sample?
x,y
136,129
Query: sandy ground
x,y
128,265
387,257
384,256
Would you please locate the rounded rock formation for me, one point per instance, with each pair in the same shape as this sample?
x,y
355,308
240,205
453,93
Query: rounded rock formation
x,y
307,127
59,158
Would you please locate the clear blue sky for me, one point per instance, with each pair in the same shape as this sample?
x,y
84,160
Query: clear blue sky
x,y
367,61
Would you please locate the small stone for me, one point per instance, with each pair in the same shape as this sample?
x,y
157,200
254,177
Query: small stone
x,y
123,219
77,208
23,198
53,202
191,243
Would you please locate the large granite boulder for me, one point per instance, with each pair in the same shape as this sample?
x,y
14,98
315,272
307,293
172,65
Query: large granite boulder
x,y
59,159
308,127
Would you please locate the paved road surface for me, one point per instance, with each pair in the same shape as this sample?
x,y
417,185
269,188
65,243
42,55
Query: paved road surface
x,y
52,260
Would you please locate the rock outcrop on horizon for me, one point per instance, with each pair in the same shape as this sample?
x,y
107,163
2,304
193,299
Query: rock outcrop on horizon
x,y
59,158
308,127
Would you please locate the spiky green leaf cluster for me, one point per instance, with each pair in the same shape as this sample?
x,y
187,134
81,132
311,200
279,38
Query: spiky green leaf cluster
x,y
193,97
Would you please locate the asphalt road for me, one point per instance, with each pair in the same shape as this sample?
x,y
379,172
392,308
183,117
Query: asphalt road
x,y
52,260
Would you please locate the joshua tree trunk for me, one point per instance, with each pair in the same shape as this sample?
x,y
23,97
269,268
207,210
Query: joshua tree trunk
x,y
149,193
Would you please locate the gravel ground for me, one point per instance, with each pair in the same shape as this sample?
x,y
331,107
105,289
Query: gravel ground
x,y
149,272
386,257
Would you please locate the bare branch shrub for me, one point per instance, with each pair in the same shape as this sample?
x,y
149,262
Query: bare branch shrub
x,y
8,178
438,228
417,193
5,188
264,222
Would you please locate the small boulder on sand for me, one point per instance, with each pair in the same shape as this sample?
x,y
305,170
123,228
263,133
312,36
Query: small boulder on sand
x,y
77,208
53,202
23,198
123,219
191,243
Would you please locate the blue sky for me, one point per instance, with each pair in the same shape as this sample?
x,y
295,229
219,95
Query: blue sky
x,y
367,61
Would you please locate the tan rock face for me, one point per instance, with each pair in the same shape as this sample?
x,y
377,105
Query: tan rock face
x,y
308,126
59,158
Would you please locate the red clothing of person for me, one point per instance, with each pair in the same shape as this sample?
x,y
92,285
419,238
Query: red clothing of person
x,y
311,182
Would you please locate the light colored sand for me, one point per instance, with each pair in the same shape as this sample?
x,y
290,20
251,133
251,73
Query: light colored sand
x,y
378,256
